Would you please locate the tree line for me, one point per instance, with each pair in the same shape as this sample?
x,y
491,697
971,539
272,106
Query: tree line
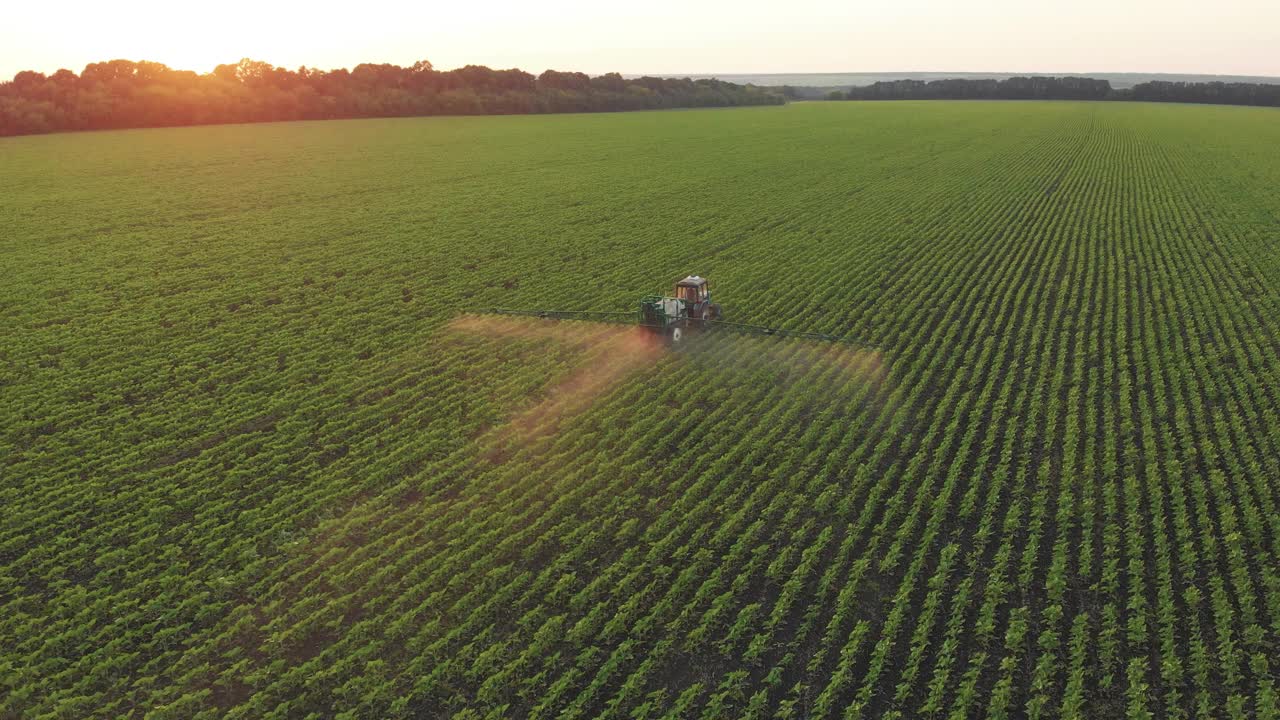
x,y
127,94
1065,88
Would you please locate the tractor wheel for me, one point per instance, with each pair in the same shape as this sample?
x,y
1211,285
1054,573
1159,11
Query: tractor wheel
x,y
706,316
716,312
677,334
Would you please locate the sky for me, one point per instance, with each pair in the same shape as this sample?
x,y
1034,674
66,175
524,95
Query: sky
x,y
1227,37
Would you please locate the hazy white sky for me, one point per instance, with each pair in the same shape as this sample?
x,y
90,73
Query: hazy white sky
x,y
1237,37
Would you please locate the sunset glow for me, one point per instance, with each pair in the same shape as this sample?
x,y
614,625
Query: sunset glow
x,y
664,36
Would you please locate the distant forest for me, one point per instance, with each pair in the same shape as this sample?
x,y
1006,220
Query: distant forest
x,y
1065,88
127,94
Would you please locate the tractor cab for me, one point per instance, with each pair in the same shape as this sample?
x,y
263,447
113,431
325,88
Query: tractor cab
x,y
693,290
696,297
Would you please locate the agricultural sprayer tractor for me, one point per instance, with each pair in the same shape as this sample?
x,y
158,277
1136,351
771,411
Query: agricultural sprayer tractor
x,y
690,308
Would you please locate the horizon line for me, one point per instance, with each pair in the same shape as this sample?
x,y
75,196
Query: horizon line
x,y
962,72
714,74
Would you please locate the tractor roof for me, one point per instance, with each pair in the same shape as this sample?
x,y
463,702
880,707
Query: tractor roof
x,y
692,281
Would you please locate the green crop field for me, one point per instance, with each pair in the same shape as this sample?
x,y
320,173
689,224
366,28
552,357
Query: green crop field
x,y
259,460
